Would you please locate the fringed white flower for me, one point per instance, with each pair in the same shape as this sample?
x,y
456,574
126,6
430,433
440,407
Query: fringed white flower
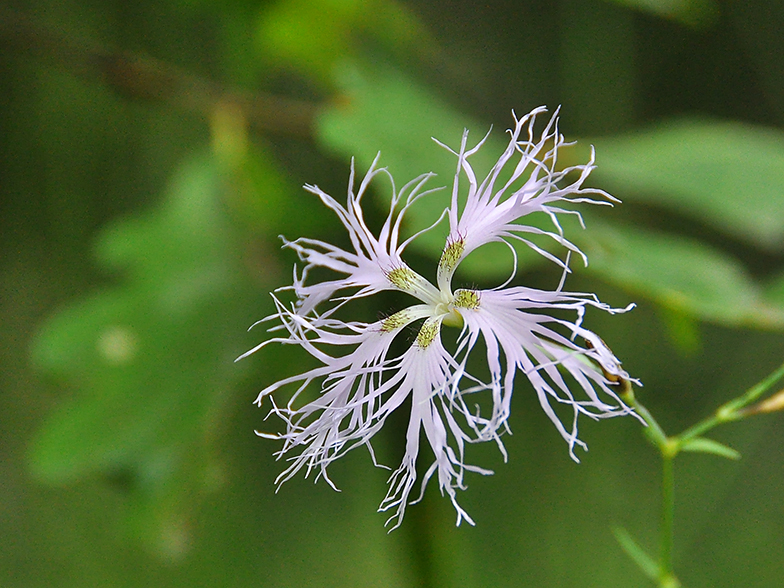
x,y
361,383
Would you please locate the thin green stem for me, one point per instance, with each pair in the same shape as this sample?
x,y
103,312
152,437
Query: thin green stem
x,y
669,447
668,450
667,520
758,389
731,411
702,427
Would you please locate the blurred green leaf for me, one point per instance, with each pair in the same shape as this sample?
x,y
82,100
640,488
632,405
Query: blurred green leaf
x,y
385,111
704,445
774,290
678,273
727,174
260,197
314,35
151,359
683,329
689,12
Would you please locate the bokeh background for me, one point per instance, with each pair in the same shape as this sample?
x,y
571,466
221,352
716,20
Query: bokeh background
x,y
150,154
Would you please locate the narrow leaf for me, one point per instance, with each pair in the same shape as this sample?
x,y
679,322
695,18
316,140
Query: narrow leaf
x,y
704,445
638,555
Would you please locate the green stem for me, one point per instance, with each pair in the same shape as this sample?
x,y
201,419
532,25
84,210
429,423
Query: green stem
x,y
667,518
668,450
669,447
731,411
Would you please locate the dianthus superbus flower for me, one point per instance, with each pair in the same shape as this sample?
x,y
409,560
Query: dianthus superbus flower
x,y
360,381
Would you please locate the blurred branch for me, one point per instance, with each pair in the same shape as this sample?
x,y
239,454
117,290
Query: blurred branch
x,y
145,78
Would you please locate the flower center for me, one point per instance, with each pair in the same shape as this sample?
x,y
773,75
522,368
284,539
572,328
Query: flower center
x,y
451,318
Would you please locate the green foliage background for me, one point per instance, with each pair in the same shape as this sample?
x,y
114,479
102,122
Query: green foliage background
x,y
138,231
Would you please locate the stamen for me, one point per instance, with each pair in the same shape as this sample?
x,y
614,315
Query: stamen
x,y
402,277
466,299
395,321
451,255
428,333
